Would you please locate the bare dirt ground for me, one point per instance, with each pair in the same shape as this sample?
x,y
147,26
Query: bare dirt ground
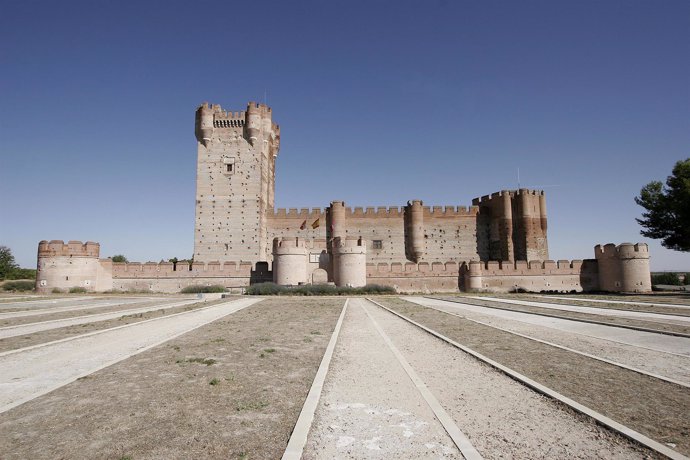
x,y
617,321
35,338
651,406
231,389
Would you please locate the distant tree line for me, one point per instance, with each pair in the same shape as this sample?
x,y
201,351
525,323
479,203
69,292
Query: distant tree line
x,y
10,270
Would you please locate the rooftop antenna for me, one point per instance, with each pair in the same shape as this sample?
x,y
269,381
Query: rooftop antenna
x,y
265,97
518,177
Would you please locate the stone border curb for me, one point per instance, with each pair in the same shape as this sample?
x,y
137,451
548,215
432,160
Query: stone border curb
x,y
298,438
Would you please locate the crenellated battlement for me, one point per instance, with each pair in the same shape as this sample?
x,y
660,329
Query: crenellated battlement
x,y
382,212
57,248
449,211
511,193
295,213
533,267
180,270
422,269
622,251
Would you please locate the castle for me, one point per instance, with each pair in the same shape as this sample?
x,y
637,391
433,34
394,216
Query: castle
x,y
499,243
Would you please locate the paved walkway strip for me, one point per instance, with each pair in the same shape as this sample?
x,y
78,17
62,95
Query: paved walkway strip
x,y
458,437
30,328
298,438
649,340
589,355
591,310
624,302
40,370
601,419
93,305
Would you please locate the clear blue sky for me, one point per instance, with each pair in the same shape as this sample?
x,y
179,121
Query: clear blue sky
x,y
378,102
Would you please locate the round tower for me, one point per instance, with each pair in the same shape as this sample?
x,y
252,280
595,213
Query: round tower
x,y
338,219
64,266
253,125
473,279
289,261
609,268
634,267
349,262
416,222
204,124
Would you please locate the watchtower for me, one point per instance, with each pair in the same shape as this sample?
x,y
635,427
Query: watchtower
x,y
235,182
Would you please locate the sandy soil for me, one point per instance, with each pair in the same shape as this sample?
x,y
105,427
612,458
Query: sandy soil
x,y
161,403
653,407
673,309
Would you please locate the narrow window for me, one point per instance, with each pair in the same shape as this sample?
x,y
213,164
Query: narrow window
x,y
377,244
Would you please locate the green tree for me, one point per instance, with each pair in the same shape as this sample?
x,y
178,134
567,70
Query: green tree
x,y
119,258
7,263
667,216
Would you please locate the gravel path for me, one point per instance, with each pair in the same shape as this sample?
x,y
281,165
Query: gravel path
x,y
30,328
672,366
369,407
29,374
649,340
661,317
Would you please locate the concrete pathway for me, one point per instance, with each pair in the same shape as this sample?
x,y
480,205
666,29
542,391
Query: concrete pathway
x,y
584,299
36,371
92,305
658,317
649,340
22,329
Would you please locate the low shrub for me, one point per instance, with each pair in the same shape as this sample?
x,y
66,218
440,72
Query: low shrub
x,y
199,289
317,289
23,285
686,281
57,291
77,290
668,278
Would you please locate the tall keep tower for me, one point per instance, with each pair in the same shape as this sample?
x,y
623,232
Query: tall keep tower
x,y
235,182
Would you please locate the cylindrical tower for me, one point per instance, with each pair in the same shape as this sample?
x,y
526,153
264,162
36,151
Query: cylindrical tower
x,y
289,261
204,124
609,267
634,267
64,266
506,227
338,219
473,277
349,262
542,213
416,223
254,122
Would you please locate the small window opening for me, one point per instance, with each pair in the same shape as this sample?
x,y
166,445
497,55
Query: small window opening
x,y
377,244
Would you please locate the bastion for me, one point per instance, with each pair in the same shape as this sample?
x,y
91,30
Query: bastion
x,y
498,243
